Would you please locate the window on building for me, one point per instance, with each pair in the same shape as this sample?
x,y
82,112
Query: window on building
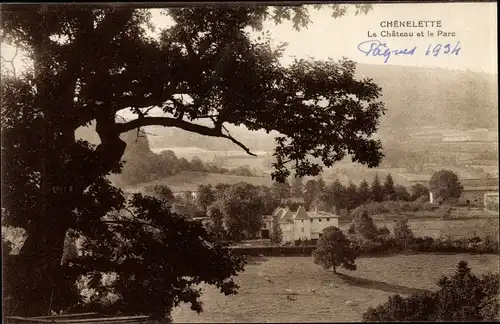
x,y
328,219
302,229
319,220
311,220
302,221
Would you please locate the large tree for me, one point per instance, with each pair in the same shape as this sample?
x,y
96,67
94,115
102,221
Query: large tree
x,y
445,186
243,209
89,64
334,250
297,188
205,196
419,190
364,193
388,188
377,191
313,191
335,196
281,190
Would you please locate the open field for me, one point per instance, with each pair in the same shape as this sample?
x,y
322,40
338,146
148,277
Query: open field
x,y
375,280
454,228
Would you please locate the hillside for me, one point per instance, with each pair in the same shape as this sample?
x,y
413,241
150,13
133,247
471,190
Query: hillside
x,y
414,97
435,97
189,181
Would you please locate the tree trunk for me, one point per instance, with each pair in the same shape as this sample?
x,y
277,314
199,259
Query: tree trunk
x,y
36,274
334,269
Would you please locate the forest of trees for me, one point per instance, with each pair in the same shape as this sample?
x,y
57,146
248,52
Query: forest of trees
x,y
237,211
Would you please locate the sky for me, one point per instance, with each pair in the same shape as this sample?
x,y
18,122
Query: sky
x,y
474,25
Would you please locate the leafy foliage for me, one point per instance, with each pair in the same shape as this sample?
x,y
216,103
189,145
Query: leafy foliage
x,y
462,297
243,210
134,244
418,190
312,192
205,196
377,192
161,192
297,188
402,233
215,225
388,188
276,232
333,250
364,193
352,196
445,186
401,193
90,64
363,226
281,191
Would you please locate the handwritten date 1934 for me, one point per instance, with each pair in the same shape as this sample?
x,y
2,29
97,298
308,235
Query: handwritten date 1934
x,y
377,48
437,49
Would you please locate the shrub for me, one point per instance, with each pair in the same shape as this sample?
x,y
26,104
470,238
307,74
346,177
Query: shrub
x,y
461,297
403,235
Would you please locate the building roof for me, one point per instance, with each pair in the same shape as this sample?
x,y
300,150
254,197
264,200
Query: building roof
x,y
301,214
286,216
278,212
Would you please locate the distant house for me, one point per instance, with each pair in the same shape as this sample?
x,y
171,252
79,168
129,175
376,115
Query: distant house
x,y
183,194
475,191
491,201
477,195
302,224
294,225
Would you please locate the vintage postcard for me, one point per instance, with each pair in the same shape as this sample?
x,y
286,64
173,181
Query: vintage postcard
x,y
249,162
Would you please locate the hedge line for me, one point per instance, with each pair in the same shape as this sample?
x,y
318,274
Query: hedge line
x,y
385,246
274,250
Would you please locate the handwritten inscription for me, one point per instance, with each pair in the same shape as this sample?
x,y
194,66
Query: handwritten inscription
x,y
375,47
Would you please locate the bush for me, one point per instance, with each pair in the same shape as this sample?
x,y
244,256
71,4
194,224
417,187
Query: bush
x,y
393,207
462,297
375,247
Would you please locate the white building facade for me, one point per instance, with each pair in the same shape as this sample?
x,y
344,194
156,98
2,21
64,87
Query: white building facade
x,y
302,224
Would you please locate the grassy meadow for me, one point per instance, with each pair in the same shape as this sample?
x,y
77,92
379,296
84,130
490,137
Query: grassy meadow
x,y
437,227
263,298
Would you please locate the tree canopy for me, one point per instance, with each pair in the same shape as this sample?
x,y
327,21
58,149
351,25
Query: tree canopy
x,y
445,186
334,250
89,64
462,297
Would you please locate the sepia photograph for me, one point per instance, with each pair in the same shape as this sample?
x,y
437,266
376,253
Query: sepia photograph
x,y
249,162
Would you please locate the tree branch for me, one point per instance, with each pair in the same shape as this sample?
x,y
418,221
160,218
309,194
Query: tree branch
x,y
172,122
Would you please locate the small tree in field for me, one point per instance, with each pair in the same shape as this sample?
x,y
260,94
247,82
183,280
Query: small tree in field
x,y
277,233
403,233
333,250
